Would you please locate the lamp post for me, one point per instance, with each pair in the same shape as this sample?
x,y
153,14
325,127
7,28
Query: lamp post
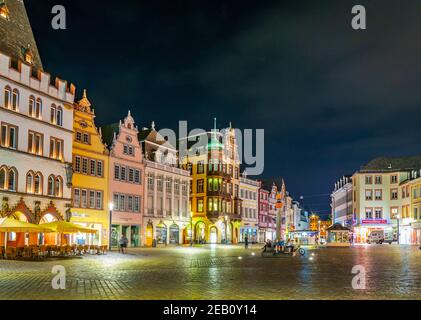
x,y
111,208
191,228
397,220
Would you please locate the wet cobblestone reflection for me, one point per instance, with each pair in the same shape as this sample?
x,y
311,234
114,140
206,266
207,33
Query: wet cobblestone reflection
x,y
216,273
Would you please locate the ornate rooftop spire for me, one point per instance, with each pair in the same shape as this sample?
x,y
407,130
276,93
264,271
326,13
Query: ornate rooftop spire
x,y
84,102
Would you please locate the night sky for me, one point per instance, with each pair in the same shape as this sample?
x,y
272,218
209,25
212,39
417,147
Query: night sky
x,y
329,98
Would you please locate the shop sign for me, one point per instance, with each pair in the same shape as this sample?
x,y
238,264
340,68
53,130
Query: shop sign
x,y
416,225
374,221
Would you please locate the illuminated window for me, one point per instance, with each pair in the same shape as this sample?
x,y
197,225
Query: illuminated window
x,y
12,179
15,100
200,205
4,12
28,57
7,97
38,184
2,178
38,108
50,186
30,182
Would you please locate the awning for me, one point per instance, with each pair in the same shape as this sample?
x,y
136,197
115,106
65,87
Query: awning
x,y
67,227
12,225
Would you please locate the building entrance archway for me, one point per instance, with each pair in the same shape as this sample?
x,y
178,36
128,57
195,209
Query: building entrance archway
x,y
213,235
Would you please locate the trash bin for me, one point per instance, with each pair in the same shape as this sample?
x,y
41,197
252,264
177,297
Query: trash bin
x,y
154,243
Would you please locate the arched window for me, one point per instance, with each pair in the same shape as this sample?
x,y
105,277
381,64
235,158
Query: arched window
x,y
32,106
38,183
3,178
59,187
51,185
30,182
38,108
53,113
7,97
59,116
12,180
15,99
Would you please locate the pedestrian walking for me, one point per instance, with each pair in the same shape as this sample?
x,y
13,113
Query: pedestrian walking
x,y
246,242
123,244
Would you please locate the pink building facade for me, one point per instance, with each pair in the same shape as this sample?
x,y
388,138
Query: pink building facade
x,y
266,226
126,184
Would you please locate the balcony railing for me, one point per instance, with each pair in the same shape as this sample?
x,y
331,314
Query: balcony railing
x,y
218,193
167,168
220,214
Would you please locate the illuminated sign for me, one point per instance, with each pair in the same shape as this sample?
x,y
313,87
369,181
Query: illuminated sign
x,y
374,221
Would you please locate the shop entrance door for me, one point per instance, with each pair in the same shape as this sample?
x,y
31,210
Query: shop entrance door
x,y
115,235
149,235
213,235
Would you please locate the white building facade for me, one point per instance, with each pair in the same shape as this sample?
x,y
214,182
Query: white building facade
x,y
36,120
341,202
249,190
166,211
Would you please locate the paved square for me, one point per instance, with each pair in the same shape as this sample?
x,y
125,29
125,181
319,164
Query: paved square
x,y
217,272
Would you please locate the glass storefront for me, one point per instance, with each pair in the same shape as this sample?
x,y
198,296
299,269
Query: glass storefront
x,y
91,239
135,236
161,234
200,232
251,234
174,234
115,235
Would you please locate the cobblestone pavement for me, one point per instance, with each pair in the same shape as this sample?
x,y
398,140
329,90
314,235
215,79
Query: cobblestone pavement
x,y
218,272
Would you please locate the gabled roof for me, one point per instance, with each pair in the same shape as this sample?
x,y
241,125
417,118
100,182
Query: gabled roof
x,y
151,135
267,183
393,163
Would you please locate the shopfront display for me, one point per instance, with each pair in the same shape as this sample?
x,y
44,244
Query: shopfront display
x,y
161,233
174,234
251,234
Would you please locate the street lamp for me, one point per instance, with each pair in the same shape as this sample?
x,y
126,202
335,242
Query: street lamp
x,y
397,219
191,228
111,208
226,227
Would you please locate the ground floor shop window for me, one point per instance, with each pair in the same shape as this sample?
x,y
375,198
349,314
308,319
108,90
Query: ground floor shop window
x,y
134,236
174,234
251,234
91,239
200,236
161,234
115,235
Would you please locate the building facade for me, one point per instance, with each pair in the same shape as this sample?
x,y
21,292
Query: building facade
x,y
36,120
90,177
377,202
249,190
415,237
126,180
215,198
341,201
166,210
266,223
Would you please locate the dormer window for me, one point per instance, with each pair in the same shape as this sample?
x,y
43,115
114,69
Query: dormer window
x,y
4,12
28,56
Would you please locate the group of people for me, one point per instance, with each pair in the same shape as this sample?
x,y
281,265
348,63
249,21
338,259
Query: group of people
x,y
279,245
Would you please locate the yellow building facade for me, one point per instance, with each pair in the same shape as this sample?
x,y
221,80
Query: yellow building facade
x,y
415,215
90,176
